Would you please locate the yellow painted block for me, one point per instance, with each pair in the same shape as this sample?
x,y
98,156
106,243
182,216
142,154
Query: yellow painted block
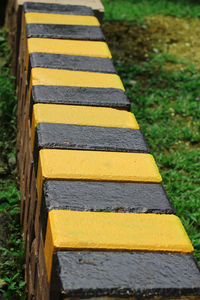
x,y
60,19
96,166
41,76
69,47
67,230
81,115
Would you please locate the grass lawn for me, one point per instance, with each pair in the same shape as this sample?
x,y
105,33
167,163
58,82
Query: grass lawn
x,y
166,105
164,91
11,243
137,10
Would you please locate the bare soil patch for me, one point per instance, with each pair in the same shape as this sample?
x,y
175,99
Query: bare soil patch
x,y
175,36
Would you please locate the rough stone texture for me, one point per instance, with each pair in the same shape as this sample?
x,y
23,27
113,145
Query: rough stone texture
x,y
67,136
74,32
107,97
58,9
137,274
103,197
14,17
71,62
96,5
106,196
79,137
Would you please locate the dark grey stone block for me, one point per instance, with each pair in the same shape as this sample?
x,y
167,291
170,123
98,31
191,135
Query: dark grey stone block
x,y
58,9
106,196
72,62
104,97
73,32
83,275
81,137
103,197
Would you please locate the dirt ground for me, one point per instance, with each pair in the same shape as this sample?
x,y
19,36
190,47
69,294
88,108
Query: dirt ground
x,y
175,36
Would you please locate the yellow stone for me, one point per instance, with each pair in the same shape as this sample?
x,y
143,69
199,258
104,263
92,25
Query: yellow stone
x,y
60,19
96,166
69,47
41,76
81,115
67,230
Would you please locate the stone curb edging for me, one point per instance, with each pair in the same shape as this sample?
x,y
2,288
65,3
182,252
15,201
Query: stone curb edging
x,y
96,220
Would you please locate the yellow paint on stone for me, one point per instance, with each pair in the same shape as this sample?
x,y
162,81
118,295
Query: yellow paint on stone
x,y
96,166
69,47
60,19
81,115
67,230
42,76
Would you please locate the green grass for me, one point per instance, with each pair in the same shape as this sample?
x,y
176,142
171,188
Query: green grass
x,y
167,107
166,104
11,248
11,243
137,10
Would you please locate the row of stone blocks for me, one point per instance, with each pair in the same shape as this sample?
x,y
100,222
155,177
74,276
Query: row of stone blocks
x,y
97,222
